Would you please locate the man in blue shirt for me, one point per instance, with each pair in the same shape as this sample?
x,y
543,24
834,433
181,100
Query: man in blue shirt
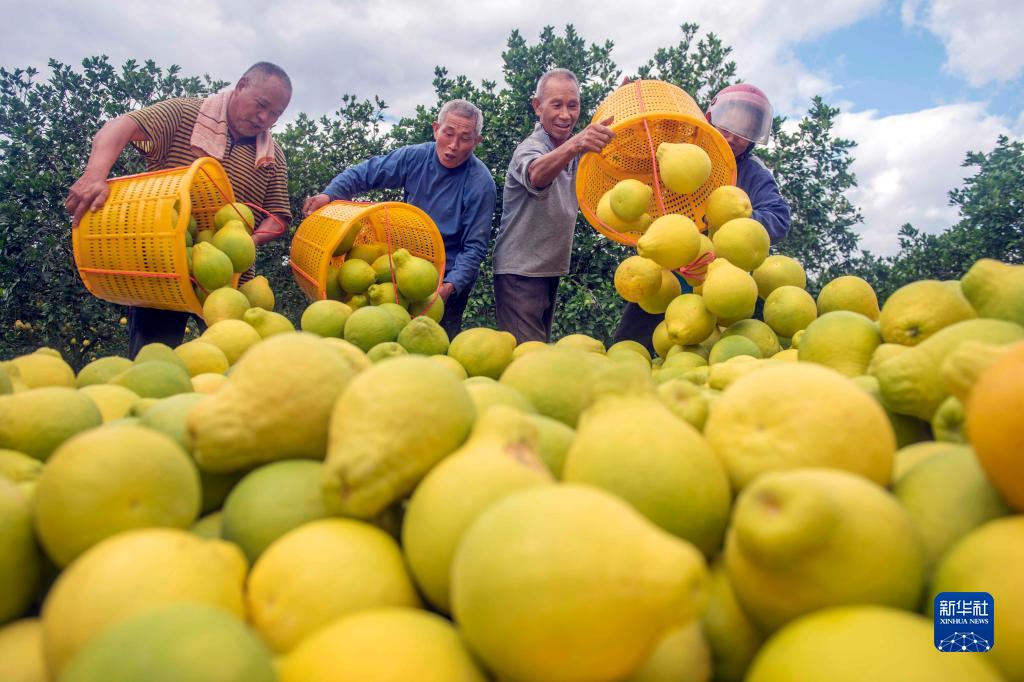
x,y
446,181
743,115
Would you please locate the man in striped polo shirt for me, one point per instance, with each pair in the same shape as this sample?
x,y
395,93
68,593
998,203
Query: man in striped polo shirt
x,y
164,135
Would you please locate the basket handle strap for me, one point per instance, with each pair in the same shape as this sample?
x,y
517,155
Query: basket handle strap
x,y
391,268
282,226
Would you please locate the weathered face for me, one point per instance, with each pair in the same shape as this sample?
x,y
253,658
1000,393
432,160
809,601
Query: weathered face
x,y
558,108
456,139
737,144
256,104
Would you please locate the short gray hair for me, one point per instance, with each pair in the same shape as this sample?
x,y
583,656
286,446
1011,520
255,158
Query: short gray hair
x,y
464,108
261,70
555,73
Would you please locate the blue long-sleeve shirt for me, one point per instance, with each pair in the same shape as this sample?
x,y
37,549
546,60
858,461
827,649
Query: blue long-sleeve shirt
x,y
770,209
460,201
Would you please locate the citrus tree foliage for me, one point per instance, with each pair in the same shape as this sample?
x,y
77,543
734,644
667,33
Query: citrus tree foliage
x,y
46,128
991,225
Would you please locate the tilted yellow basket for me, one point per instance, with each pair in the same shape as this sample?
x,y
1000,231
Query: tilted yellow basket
x,y
393,223
647,113
130,252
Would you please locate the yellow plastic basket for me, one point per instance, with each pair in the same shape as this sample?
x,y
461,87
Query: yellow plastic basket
x,y
647,113
393,223
129,252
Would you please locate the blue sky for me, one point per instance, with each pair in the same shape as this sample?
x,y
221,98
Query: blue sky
x,y
919,82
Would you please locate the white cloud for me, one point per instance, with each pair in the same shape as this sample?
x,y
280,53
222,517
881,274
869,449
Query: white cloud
x,y
981,37
906,164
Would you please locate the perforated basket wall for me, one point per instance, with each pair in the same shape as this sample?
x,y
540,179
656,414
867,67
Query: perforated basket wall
x,y
647,113
129,252
401,225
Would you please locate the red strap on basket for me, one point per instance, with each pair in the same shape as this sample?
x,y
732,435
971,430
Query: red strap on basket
x,y
282,226
391,267
133,273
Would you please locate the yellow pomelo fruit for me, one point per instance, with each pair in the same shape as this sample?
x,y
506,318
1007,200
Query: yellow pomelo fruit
x,y
208,383
608,216
721,375
804,540
417,278
386,351
631,346
20,562
233,337
637,278
21,650
321,571
133,572
939,520
237,245
109,480
907,429
916,311
267,323
20,469
658,303
487,393
856,643
382,268
500,457
909,456
681,655
729,293
881,354
842,340
635,448
452,365
156,378
270,501
948,421
202,237
209,526
36,421
757,331
101,370
211,267
788,309
660,339
778,271
683,167
332,287
368,326
785,416
964,366
555,440
557,381
201,357
257,290
994,426
236,211
367,252
482,351
688,321
985,560
400,312
671,241
512,566
348,239
630,198
726,203
848,293
424,336
160,352
382,644
731,637
911,382
175,643
356,276
224,304
686,401
297,374
788,355
351,354
39,370
325,318
995,289
743,242
587,344
114,402
393,423
432,308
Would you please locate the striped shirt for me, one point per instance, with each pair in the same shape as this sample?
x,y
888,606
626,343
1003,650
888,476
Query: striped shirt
x,y
169,127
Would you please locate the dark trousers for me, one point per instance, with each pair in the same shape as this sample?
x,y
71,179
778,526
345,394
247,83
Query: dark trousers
x,y
525,306
149,325
637,325
454,307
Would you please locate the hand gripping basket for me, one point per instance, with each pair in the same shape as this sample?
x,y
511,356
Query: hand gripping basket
x,y
393,223
129,252
647,113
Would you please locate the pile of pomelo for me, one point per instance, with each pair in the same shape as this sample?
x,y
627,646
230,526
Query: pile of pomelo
x,y
366,499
